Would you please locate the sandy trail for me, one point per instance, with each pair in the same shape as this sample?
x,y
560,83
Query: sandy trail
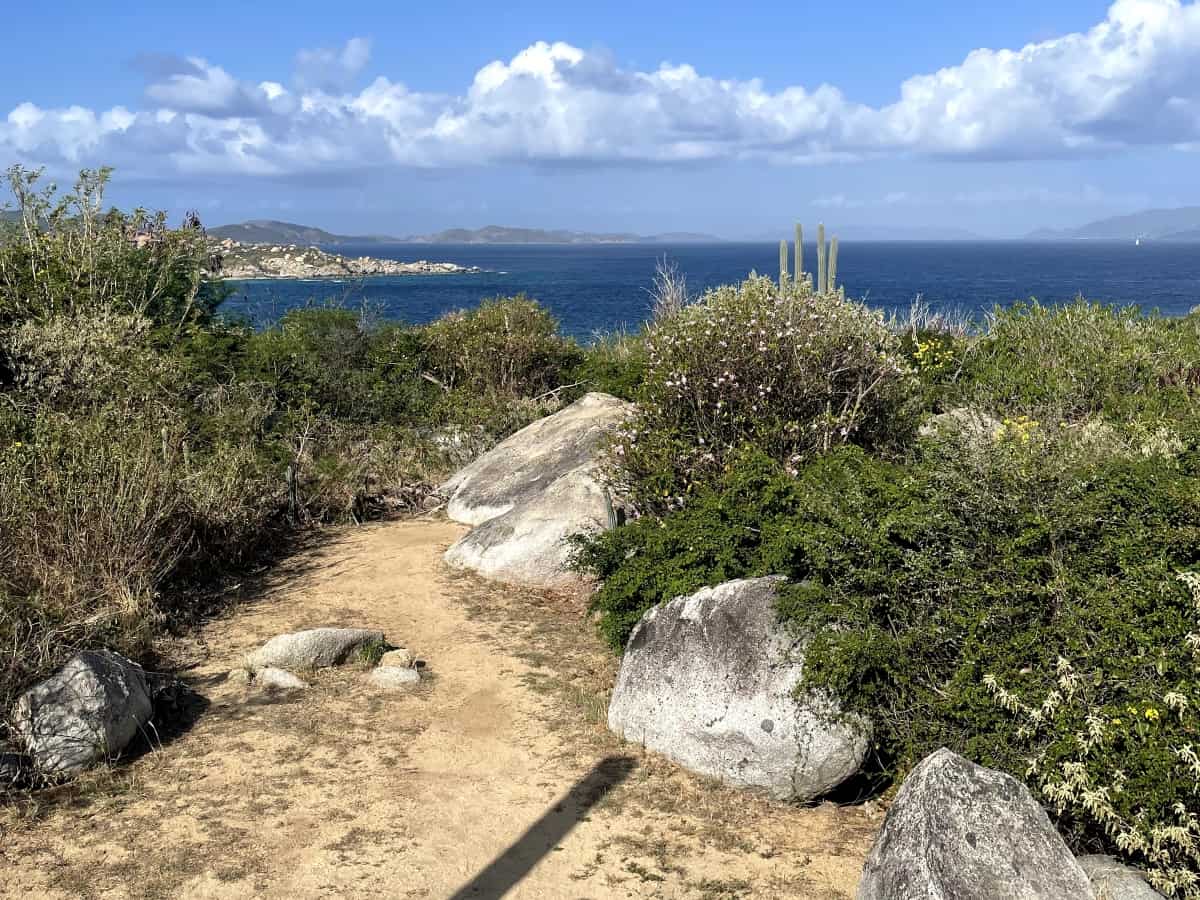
x,y
495,778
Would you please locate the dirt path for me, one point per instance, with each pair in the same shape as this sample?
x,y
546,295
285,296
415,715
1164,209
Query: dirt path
x,y
495,776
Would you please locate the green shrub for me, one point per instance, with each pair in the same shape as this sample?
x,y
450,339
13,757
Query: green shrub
x,y
329,360
1084,359
506,346
69,255
991,568
754,519
613,364
793,374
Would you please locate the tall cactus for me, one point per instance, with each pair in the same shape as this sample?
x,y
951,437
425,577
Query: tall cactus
x,y
822,284
799,252
831,280
783,263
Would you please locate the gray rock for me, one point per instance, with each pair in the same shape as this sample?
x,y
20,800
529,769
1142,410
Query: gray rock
x,y
958,831
708,681
278,680
399,659
528,544
523,466
1112,880
316,648
89,710
393,677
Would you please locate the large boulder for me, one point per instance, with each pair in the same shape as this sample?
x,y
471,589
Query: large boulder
x,y
708,681
87,711
533,491
520,468
1112,880
528,544
316,648
958,831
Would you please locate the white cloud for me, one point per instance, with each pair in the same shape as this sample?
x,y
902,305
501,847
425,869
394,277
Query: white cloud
x,y
332,70
1133,79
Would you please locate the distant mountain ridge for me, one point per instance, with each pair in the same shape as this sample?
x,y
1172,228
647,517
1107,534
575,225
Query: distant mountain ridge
x,y
1181,224
270,231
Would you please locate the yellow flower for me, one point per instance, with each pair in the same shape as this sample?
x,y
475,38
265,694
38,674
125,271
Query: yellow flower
x,y
1151,714
1116,721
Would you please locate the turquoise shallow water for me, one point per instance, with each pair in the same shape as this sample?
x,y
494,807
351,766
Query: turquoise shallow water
x,y
596,288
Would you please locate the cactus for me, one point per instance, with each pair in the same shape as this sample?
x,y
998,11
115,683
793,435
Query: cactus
x,y
822,284
783,261
831,275
799,252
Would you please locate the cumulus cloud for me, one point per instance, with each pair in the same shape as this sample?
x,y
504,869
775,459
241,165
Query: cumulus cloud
x,y
1132,79
332,70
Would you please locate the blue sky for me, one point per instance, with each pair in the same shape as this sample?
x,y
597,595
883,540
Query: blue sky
x,y
733,119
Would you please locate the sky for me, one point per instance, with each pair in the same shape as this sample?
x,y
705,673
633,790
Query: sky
x,y
730,119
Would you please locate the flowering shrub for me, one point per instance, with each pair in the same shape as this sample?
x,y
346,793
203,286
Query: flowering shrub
x,y
792,373
1125,766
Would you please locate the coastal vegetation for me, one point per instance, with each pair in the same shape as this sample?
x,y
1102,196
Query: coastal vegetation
x,y
990,534
151,447
990,530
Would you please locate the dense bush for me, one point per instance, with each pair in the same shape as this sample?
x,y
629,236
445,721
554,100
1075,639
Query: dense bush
x,y
1084,359
507,344
790,372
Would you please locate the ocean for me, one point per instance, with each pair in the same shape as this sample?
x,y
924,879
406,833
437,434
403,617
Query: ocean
x,y
594,289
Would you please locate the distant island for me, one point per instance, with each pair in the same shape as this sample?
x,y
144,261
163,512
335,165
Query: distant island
x,y
1180,225
242,262
269,231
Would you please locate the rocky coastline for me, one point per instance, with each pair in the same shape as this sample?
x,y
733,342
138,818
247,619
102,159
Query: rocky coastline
x,y
243,262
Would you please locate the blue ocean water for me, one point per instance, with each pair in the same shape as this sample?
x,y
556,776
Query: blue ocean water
x,y
597,288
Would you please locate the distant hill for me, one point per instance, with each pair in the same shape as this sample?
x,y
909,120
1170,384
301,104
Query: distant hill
x,y
1182,224
268,231
499,234
9,215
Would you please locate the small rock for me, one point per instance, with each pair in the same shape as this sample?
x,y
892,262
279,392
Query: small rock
x,y
88,710
1114,881
391,678
279,680
398,659
316,648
